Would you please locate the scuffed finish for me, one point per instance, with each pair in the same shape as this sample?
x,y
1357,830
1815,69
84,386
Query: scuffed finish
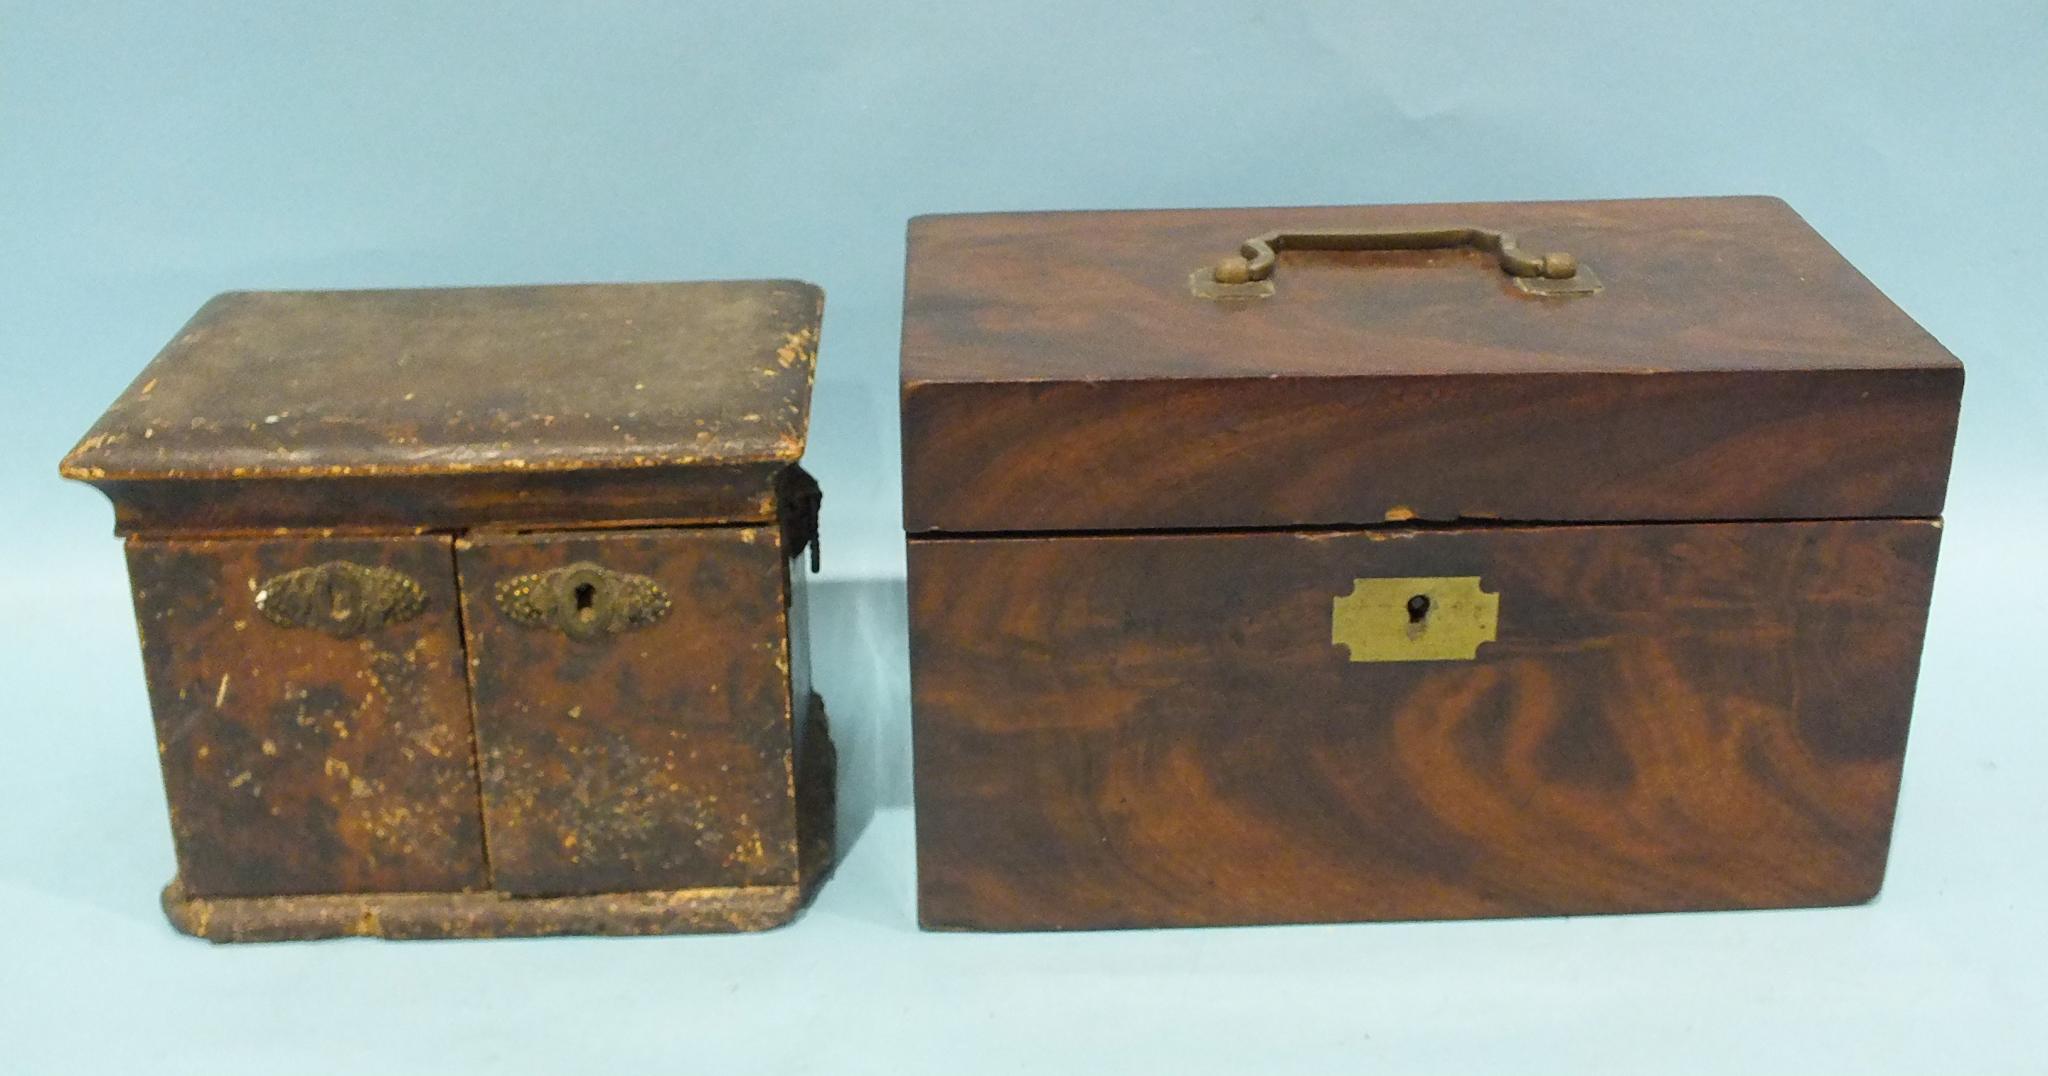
x,y
459,380
659,758
1057,375
295,761
414,916
295,470
710,909
690,495
1131,731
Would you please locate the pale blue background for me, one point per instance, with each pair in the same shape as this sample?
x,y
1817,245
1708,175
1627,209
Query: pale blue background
x,y
155,153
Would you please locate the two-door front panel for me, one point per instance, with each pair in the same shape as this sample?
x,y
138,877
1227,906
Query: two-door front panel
x,y
312,719
632,707
1167,730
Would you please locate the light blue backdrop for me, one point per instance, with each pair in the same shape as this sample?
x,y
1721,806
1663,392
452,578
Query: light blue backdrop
x,y
152,154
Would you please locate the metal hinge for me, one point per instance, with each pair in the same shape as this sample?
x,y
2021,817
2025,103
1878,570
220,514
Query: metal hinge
x,y
801,499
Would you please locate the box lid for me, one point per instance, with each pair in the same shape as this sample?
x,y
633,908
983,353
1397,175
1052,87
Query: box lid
x,y
465,405
1710,358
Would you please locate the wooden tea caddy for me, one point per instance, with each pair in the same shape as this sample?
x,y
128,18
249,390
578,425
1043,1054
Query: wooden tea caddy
x,y
478,611
1292,565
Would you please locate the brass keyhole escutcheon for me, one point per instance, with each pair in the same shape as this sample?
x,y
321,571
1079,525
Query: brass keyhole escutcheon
x,y
339,598
584,601
1414,619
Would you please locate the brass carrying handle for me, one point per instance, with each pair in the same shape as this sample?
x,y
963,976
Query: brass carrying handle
x,y
1250,271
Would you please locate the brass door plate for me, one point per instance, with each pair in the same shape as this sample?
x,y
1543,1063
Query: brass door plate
x,y
1423,618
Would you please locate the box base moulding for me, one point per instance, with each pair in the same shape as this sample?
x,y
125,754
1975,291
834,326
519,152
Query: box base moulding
x,y
418,916
711,910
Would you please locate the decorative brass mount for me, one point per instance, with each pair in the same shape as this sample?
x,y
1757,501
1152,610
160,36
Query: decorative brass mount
x,y
1415,619
584,601
342,599
1249,275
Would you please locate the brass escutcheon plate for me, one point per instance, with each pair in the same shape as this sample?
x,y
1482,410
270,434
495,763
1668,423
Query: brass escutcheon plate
x,y
1415,618
584,601
339,598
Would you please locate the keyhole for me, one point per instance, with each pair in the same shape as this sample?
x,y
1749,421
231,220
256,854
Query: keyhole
x,y
1418,608
586,598
340,604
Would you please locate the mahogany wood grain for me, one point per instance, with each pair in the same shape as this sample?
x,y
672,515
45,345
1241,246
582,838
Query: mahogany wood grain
x,y
1059,374
1122,731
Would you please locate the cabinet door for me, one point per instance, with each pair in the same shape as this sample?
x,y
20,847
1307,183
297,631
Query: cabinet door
x,y
311,714
632,708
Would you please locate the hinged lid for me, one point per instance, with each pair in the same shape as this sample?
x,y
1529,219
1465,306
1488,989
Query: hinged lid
x,y
465,406
1681,359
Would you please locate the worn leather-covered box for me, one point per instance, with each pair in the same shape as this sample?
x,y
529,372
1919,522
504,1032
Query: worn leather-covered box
x,y
1444,561
478,611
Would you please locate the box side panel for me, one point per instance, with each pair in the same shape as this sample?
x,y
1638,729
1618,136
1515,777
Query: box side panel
x,y
313,727
633,708
1286,452
1150,731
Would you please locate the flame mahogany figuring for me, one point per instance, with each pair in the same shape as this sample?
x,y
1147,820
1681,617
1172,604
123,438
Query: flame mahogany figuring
x,y
1707,496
